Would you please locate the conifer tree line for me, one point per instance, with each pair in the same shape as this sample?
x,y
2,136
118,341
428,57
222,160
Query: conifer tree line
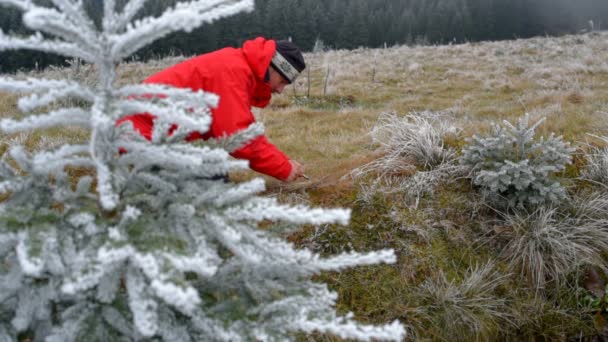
x,y
348,24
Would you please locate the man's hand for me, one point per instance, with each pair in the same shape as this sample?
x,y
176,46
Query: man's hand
x,y
297,171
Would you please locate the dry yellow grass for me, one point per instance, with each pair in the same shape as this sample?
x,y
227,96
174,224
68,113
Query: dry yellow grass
x,y
565,79
326,127
8,105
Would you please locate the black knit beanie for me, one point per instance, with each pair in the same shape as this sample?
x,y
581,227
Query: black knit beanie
x,y
288,60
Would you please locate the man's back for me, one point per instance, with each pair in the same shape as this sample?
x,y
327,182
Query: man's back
x,y
238,77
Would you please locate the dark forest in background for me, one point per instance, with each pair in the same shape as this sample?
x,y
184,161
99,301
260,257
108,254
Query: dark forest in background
x,y
353,23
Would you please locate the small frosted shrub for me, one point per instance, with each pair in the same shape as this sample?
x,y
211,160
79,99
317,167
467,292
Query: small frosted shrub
x,y
465,309
515,170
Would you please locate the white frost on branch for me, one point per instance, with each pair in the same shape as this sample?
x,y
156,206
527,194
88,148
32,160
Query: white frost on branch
x,y
31,265
269,209
185,16
74,116
148,91
44,91
62,25
349,329
39,43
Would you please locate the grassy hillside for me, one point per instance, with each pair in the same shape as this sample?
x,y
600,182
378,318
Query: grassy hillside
x,y
459,274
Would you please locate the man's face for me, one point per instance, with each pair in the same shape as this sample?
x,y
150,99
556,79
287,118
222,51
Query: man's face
x,y
276,81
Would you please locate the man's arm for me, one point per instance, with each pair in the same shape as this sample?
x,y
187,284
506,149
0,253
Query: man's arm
x,y
234,114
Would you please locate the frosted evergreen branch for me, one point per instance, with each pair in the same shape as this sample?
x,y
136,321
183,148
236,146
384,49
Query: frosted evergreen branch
x,y
239,139
185,16
86,222
75,116
10,282
6,334
199,161
21,157
130,215
239,193
118,233
47,161
205,266
210,155
12,185
253,246
23,5
11,180
59,165
216,328
174,114
84,280
107,196
155,181
11,277
324,298
80,19
7,242
269,209
233,238
61,25
159,92
185,300
118,322
120,21
70,90
30,265
109,19
72,320
173,328
26,306
352,259
107,260
39,43
142,305
6,170
168,156
349,329
316,316
62,152
283,252
36,85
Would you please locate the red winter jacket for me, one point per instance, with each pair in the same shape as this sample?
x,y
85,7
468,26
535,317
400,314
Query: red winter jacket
x,y
237,77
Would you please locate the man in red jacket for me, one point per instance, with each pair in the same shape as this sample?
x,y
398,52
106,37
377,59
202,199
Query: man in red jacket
x,y
242,78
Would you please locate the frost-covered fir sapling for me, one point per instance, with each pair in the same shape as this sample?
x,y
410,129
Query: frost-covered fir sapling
x,y
151,247
513,168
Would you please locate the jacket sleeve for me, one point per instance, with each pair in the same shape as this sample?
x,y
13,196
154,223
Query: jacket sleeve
x,y
234,114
